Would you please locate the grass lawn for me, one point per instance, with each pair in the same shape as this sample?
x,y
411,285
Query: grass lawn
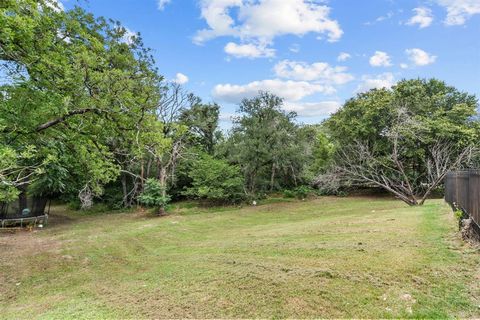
x,y
329,257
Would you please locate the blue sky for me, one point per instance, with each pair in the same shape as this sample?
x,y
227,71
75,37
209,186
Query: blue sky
x,y
316,54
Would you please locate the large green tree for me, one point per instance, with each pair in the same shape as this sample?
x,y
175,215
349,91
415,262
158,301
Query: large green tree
x,y
405,139
74,84
268,145
202,121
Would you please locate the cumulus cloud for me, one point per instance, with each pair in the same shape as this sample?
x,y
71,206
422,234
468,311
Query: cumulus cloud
x,y
380,59
56,5
289,90
320,72
162,3
249,50
423,17
128,36
313,109
180,78
459,11
419,57
264,20
343,56
384,80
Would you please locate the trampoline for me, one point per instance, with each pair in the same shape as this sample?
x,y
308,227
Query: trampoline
x,y
26,211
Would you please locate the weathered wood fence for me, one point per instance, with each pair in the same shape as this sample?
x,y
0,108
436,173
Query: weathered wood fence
x,y
462,191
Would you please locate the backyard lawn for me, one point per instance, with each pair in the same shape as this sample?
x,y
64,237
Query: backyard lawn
x,y
328,257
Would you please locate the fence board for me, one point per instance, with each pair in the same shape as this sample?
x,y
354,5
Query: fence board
x,y
462,191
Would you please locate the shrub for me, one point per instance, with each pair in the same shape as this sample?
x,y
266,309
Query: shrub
x,y
216,180
302,192
154,195
288,193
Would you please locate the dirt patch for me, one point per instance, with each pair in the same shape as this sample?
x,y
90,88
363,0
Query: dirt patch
x,y
15,247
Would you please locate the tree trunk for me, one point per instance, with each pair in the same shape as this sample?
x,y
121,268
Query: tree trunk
x,y
162,178
124,190
161,211
294,176
272,178
142,174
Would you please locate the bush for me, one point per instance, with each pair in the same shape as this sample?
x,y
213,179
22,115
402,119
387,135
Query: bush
x,y
154,195
288,193
302,192
215,180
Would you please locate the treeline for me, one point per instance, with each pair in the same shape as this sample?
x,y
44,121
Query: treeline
x,y
85,116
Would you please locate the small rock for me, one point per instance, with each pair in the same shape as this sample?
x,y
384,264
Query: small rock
x,y
408,297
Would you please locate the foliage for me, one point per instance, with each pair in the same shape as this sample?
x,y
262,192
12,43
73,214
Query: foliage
x,y
302,192
271,150
404,139
459,214
216,180
154,195
202,121
73,84
287,193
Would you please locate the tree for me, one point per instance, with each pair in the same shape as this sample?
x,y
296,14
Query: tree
x,y
406,139
202,121
74,84
154,196
270,148
164,137
216,180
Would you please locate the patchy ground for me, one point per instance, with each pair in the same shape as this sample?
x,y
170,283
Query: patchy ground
x,y
330,257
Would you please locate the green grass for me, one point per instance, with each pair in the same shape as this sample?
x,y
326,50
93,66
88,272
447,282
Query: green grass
x,y
329,257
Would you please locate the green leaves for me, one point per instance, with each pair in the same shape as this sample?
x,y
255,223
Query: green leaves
x,y
154,194
215,180
75,87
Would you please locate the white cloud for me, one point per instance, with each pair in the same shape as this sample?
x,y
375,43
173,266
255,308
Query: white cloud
x,y
226,116
56,5
420,57
264,20
162,3
385,80
459,11
295,48
388,16
249,50
128,36
313,109
180,78
289,90
403,65
380,59
320,72
343,56
423,17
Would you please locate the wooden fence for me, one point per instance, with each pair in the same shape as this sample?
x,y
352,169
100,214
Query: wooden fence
x,y
462,191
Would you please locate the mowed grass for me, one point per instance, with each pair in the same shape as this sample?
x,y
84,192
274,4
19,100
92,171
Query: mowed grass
x,y
328,257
